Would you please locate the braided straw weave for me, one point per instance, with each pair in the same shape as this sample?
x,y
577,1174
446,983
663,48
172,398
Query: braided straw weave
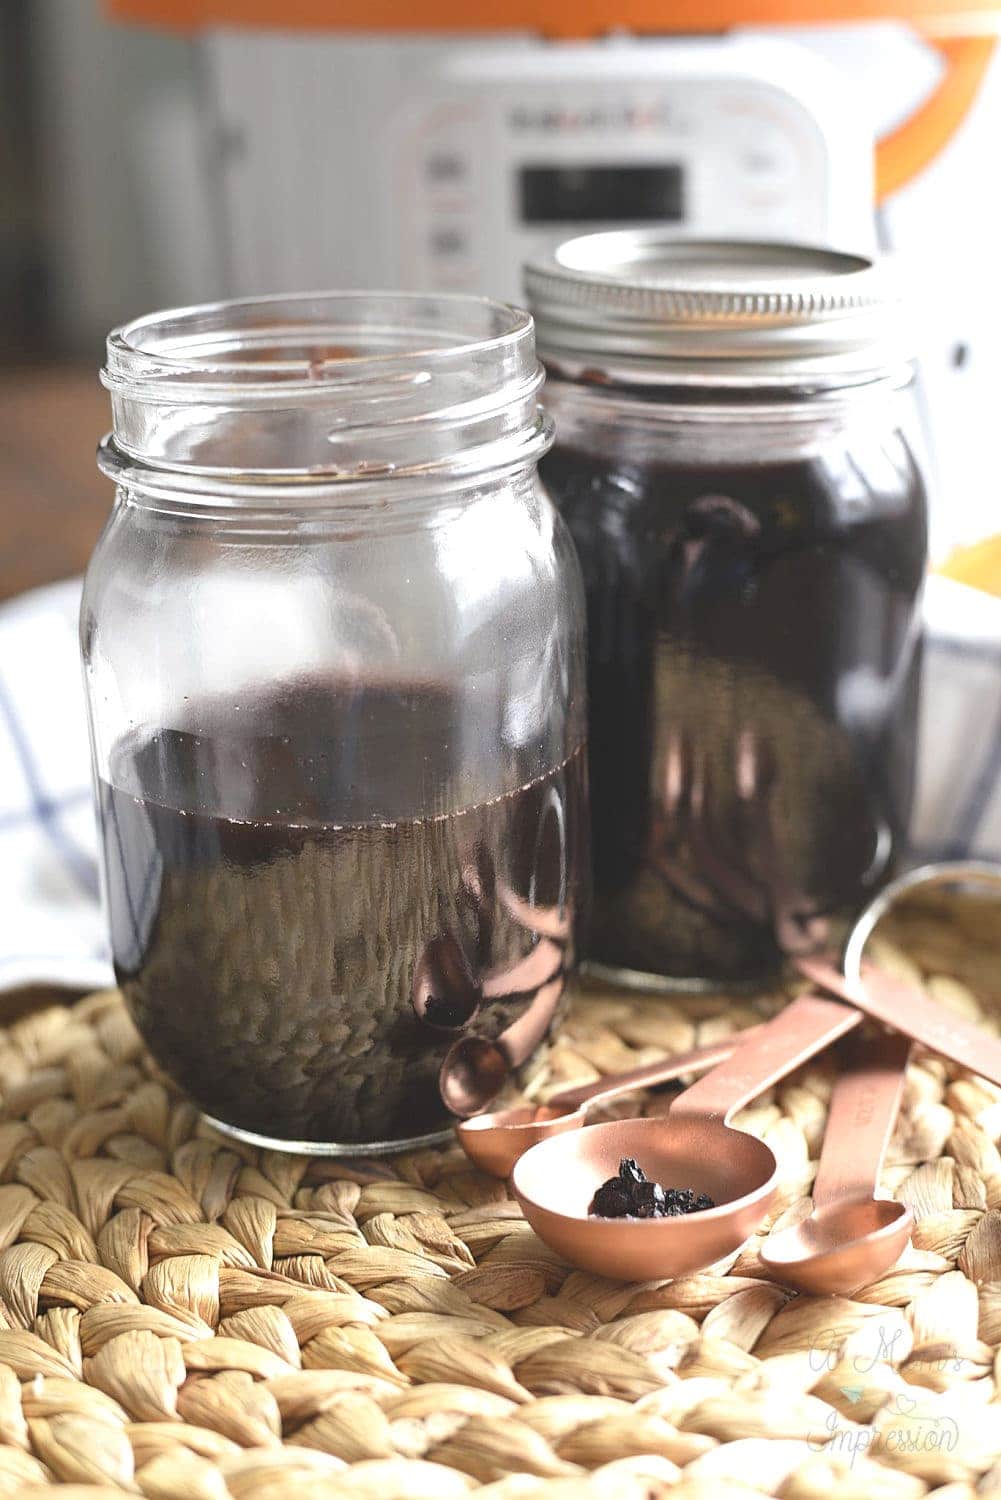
x,y
188,1320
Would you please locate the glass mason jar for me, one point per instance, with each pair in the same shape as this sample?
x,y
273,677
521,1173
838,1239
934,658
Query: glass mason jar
x,y
752,528
333,644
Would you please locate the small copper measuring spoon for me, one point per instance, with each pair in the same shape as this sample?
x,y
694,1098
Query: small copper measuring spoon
x,y
905,1008
898,1004
694,1146
943,872
495,1141
475,1068
851,1236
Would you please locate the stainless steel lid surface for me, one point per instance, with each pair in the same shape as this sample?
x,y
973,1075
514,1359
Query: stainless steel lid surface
x,y
645,305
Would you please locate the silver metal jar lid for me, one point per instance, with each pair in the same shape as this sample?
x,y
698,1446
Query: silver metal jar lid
x,y
649,307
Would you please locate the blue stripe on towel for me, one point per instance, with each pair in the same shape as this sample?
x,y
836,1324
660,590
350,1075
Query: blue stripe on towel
x,y
46,811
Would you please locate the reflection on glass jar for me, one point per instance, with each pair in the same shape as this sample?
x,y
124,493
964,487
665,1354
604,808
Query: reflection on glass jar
x,y
751,525
337,712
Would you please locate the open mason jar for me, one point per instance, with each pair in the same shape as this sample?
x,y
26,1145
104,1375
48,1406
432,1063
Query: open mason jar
x,y
333,644
751,523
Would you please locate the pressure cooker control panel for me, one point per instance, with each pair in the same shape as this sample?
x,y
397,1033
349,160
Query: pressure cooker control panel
x,y
513,149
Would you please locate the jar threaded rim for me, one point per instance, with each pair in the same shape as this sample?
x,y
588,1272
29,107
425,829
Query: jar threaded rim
x,y
326,388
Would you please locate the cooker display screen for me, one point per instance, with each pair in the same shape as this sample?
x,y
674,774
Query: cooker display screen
x,y
605,194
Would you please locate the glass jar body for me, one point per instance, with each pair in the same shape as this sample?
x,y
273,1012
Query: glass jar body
x,y
340,775
753,569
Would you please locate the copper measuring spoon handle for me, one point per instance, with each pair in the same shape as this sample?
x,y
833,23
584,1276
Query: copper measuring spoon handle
x,y
906,1008
805,1027
611,1086
864,1107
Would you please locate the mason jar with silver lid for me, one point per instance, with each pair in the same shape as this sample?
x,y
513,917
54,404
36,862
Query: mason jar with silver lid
x,y
751,521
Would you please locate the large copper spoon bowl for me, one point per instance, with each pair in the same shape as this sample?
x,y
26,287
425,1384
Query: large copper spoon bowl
x,y
851,1236
495,1141
695,1146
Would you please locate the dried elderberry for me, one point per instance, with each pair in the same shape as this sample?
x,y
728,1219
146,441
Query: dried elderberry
x,y
631,1195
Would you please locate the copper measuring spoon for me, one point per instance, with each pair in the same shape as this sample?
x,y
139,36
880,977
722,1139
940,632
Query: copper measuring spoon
x,y
851,1236
907,1009
495,1141
903,1006
476,1068
694,1146
943,872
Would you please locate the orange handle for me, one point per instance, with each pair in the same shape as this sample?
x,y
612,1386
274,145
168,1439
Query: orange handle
x,y
906,151
567,18
900,156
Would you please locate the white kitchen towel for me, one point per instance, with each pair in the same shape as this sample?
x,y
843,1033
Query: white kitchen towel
x,y
51,927
52,930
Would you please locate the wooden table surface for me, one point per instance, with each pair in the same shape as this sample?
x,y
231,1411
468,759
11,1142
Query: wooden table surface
x,y
53,500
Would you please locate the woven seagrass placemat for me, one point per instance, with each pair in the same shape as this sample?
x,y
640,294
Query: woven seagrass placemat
x,y
187,1320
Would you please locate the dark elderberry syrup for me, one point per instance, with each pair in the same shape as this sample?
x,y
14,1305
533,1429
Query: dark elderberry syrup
x,y
754,651
298,950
